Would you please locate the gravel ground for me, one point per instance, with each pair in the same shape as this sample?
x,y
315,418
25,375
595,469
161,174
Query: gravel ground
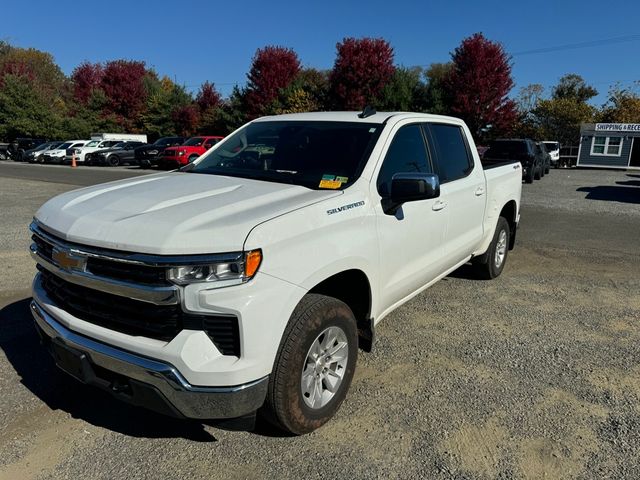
x,y
533,375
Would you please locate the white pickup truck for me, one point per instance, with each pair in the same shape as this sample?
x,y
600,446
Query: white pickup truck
x,y
250,278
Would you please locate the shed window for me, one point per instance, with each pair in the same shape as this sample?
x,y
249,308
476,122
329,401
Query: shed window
x,y
606,146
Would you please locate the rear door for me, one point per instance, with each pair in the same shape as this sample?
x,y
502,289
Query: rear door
x,y
410,242
463,185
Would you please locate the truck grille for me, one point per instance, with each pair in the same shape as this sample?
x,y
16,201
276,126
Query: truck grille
x,y
129,272
134,317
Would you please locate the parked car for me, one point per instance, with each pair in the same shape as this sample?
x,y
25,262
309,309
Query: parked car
x,y
523,150
252,276
90,147
174,157
3,151
56,155
16,149
119,154
547,159
148,155
553,148
35,154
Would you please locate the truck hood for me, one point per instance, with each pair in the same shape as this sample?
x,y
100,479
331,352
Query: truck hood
x,y
172,213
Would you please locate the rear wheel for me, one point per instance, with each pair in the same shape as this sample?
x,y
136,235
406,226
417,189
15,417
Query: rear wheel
x,y
491,264
529,176
192,158
314,365
537,173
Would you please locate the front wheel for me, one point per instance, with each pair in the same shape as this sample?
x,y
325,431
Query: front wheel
x,y
314,365
491,264
113,160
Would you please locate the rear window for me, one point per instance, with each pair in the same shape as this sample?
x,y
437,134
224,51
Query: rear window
x,y
194,142
507,147
551,146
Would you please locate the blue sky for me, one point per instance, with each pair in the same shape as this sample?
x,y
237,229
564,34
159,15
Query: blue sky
x,y
194,41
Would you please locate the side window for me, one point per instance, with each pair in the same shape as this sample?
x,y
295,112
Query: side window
x,y
407,153
210,143
451,151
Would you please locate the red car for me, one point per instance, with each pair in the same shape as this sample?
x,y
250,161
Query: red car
x,y
186,153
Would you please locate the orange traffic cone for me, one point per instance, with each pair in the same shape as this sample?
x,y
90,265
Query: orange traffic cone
x,y
73,161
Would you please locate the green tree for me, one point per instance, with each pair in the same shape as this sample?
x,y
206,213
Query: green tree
x,y
24,111
572,86
623,105
164,100
437,99
404,92
560,118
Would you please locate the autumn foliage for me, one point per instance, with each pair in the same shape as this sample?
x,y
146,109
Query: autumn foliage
x,y
479,84
362,69
273,68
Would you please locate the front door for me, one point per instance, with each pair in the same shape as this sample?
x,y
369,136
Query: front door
x,y
410,242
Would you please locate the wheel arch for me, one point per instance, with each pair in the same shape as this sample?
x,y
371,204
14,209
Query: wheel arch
x,y
352,287
510,212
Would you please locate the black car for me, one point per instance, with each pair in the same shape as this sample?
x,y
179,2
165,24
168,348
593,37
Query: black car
x,y
523,150
16,149
547,158
120,154
149,155
35,154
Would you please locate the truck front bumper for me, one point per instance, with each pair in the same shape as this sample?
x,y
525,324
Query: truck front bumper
x,y
142,381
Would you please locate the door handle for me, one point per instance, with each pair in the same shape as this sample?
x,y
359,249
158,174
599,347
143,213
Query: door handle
x,y
438,206
479,191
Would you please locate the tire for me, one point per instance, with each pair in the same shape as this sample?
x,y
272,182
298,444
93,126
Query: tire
x,y
316,320
529,177
192,158
113,160
491,264
547,169
541,172
537,173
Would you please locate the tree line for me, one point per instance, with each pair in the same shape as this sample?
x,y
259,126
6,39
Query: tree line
x,y
37,99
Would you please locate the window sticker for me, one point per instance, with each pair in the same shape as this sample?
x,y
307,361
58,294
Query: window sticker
x,y
332,184
342,179
328,177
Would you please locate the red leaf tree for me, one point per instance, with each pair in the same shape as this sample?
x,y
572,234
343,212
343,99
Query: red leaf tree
x,y
123,84
186,119
479,83
362,69
208,97
86,78
273,68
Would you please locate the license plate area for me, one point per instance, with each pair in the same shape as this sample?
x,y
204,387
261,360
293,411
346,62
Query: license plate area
x,y
70,360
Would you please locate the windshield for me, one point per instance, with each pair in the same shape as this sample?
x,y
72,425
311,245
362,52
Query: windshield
x,y
118,145
552,146
317,155
164,141
93,143
194,142
42,146
65,145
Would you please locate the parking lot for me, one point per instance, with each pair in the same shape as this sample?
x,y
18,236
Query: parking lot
x,y
533,375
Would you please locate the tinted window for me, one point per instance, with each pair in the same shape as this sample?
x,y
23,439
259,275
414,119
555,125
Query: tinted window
x,y
194,142
407,153
451,150
314,154
210,143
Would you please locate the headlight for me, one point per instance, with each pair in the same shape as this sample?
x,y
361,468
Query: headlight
x,y
227,272
180,152
152,152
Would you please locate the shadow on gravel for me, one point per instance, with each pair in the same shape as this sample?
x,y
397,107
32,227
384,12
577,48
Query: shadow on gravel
x,y
630,183
20,343
466,272
622,194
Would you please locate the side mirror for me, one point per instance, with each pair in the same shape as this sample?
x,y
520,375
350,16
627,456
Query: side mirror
x,y
410,187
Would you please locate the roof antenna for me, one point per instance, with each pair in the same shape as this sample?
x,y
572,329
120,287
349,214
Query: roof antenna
x,y
367,112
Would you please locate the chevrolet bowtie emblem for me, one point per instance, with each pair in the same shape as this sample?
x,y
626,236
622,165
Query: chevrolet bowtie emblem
x,y
67,260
